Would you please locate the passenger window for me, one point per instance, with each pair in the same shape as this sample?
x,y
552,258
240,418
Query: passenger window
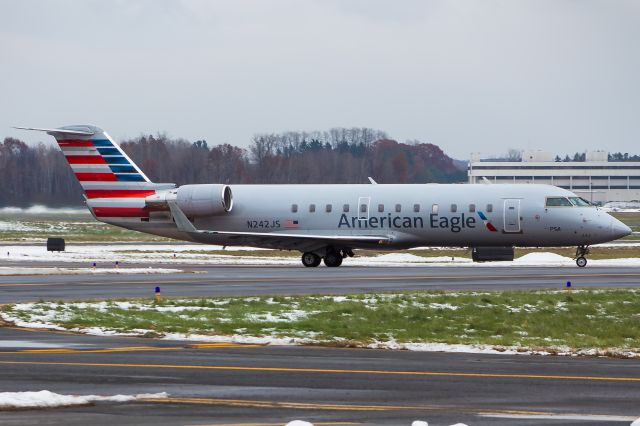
x,y
454,208
328,208
489,208
380,208
472,208
363,208
312,208
398,208
416,208
294,208
434,209
558,202
345,208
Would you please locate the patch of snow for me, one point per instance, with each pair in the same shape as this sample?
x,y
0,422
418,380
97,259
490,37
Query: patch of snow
x,y
47,399
16,226
636,422
299,423
39,209
443,306
4,270
419,423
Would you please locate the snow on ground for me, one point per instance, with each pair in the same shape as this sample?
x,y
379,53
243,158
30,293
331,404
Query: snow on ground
x,y
38,210
190,253
49,315
8,270
47,399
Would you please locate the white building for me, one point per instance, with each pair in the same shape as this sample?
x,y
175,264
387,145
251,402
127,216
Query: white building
x,y
595,179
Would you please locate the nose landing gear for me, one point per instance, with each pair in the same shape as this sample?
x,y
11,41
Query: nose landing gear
x,y
581,252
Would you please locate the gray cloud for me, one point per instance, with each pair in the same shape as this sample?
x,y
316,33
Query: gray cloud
x,y
485,76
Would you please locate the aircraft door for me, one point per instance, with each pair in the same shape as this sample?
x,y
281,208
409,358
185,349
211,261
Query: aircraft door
x,y
364,203
512,215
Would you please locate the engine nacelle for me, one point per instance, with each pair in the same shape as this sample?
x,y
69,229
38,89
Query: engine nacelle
x,y
485,254
204,200
195,200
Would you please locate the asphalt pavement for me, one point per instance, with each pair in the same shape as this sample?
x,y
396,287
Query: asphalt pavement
x,y
268,385
249,384
201,280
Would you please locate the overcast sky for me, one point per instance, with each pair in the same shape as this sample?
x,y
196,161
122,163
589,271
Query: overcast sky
x,y
558,75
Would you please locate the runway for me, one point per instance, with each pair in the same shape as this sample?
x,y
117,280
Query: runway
x,y
279,280
236,384
269,385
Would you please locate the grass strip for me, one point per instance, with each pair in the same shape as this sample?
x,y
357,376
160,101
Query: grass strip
x,y
540,320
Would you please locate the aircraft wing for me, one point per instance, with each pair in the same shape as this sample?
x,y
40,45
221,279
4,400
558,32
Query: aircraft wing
x,y
277,239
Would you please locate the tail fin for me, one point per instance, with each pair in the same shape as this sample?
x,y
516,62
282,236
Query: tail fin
x,y
113,184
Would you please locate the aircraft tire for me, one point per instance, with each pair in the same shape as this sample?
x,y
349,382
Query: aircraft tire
x,y
333,259
310,260
581,261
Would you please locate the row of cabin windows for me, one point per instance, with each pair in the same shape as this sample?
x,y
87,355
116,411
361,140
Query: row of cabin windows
x,y
398,208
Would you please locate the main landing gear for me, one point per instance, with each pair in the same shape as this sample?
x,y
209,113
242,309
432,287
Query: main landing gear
x,y
581,252
310,260
332,258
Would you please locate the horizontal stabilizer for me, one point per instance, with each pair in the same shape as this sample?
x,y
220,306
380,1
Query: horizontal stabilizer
x,y
55,132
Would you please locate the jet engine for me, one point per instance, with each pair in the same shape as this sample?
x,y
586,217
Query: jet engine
x,y
485,254
195,200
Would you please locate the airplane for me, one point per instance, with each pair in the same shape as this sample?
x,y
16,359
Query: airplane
x,y
327,222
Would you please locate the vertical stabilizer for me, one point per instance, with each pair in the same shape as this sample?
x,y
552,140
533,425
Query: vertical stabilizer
x,y
114,186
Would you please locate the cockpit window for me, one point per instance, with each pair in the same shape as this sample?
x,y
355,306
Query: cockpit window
x,y
558,202
579,202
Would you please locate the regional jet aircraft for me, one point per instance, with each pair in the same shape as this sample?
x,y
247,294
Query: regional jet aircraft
x,y
327,222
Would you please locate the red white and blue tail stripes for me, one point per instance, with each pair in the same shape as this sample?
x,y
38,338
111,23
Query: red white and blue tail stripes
x,y
114,186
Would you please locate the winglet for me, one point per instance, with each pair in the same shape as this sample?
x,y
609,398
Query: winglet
x,y
182,222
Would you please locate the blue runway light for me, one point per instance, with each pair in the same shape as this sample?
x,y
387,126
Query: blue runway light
x,y
157,289
568,284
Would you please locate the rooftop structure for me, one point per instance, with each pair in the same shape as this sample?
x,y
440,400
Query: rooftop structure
x,y
596,179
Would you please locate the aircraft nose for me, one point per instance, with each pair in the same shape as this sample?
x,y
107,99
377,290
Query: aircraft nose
x,y
619,229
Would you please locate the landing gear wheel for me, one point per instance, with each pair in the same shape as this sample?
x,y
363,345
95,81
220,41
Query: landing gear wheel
x,y
333,259
581,252
581,261
310,260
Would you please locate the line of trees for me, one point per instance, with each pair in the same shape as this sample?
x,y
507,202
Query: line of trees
x,y
39,175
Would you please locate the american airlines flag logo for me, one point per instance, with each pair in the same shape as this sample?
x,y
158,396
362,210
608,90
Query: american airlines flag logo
x,y
289,223
487,222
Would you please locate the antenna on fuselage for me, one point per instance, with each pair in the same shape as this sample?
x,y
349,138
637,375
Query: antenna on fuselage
x,y
373,182
485,180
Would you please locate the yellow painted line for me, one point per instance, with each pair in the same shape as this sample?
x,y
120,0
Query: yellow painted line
x,y
225,345
330,371
482,412
341,407
275,424
127,349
